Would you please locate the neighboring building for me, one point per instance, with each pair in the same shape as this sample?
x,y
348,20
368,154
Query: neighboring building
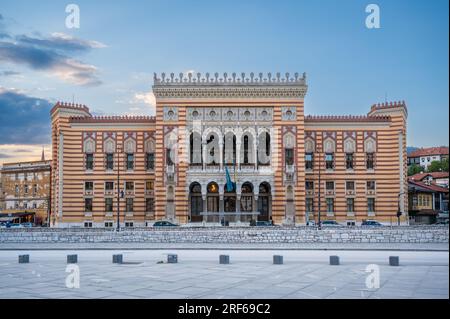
x,y
25,191
438,178
174,166
424,156
428,202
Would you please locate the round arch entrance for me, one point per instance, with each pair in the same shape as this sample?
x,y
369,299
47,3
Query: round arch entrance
x,y
196,202
265,202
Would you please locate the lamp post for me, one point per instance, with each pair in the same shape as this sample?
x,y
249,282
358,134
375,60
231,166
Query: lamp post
x,y
399,213
318,206
118,188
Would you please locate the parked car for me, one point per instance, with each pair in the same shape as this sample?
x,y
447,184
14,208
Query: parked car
x,y
163,223
371,223
27,225
263,223
311,223
16,226
331,223
442,222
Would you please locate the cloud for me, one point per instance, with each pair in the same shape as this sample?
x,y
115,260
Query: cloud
x,y
24,119
53,55
55,63
147,98
8,73
10,153
61,42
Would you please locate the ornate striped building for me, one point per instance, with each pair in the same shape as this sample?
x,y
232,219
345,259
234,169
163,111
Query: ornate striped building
x,y
231,148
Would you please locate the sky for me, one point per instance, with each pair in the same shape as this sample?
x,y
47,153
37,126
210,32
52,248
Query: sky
x,y
108,62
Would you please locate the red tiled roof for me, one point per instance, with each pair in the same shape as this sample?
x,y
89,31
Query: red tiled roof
x,y
441,150
432,187
435,175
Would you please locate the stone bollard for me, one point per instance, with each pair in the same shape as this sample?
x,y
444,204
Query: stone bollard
x,y
172,259
394,260
24,259
334,260
277,260
117,259
224,259
72,259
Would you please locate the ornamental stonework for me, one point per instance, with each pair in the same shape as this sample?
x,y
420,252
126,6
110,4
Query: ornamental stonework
x,y
261,86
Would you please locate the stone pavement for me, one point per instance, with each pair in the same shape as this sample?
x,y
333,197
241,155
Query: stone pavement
x,y
251,274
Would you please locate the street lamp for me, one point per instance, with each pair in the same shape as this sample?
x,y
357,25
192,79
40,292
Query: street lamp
x,y
118,187
399,213
318,206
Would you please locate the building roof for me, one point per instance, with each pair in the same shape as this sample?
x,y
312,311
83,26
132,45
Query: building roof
x,y
441,150
434,175
26,166
433,188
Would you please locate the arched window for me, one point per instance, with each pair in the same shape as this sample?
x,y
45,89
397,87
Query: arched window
x,y
245,149
264,149
195,148
229,150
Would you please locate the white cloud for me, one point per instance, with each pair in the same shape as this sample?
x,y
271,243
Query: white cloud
x,y
11,153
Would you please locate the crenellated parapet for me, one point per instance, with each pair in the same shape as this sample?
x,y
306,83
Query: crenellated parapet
x,y
114,119
230,85
347,118
388,108
70,106
229,79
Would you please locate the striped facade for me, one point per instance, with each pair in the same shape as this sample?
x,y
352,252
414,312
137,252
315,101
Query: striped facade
x,y
173,166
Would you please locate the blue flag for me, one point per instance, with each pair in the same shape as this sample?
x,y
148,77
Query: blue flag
x,y
230,184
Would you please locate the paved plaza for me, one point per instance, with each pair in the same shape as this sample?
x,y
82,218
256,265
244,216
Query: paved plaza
x,y
198,274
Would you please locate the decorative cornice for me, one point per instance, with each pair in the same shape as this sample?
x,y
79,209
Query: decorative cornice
x,y
346,118
229,87
113,119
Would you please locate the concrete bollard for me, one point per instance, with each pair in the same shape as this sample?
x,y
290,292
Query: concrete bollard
x,y
117,259
224,259
172,259
24,259
334,260
277,260
72,259
394,260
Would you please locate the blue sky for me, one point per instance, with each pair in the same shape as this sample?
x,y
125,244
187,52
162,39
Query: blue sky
x,y
108,63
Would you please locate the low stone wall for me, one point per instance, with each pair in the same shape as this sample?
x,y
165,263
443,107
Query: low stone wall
x,y
278,235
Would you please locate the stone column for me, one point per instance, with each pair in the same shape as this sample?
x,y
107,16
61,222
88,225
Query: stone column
x,y
221,205
205,203
255,151
204,154
238,154
238,207
221,155
255,200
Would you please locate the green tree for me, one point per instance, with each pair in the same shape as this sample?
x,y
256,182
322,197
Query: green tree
x,y
414,169
438,166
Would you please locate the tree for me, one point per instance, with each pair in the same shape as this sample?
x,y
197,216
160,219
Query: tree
x,y
414,169
438,166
